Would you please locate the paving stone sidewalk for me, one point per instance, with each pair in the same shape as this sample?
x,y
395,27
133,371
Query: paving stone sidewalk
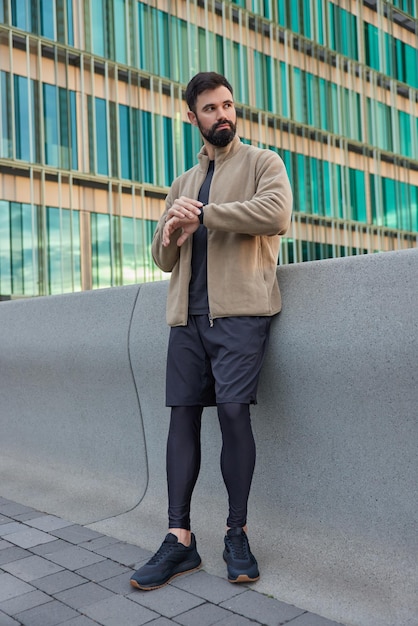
x,y
55,572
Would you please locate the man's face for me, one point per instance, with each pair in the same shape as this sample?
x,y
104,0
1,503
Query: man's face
x,y
215,116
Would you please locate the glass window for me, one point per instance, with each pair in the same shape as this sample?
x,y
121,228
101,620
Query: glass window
x,y
24,249
5,250
101,150
25,135
70,23
22,14
119,18
101,250
47,9
63,250
125,142
358,211
51,125
98,26
5,116
371,37
138,266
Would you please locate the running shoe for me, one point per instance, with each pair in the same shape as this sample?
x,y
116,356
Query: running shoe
x,y
241,563
170,560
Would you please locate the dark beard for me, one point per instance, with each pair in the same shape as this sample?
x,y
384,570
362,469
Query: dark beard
x,y
219,138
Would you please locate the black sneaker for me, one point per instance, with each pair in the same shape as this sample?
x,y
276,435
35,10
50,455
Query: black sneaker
x,y
241,564
172,559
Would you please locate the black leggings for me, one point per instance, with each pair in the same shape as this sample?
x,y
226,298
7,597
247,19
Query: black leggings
x,y
183,460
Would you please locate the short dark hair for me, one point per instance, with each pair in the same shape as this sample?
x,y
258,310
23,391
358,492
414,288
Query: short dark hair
x,y
201,82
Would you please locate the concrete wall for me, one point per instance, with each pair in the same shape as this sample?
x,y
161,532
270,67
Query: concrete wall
x,y
333,510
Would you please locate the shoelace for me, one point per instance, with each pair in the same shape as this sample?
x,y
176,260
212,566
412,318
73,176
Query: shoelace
x,y
239,547
162,551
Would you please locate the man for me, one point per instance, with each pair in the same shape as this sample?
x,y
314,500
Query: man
x,y
219,238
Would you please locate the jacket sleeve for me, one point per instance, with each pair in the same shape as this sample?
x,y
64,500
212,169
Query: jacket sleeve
x,y
267,212
165,258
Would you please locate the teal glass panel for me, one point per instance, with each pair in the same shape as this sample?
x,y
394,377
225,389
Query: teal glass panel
x,y
281,10
22,14
179,51
24,249
328,201
137,265
324,117
24,118
358,211
5,250
5,116
390,203
413,203
147,36
73,130
125,142
2,22
338,208
312,94
70,23
51,125
307,18
405,139
319,22
294,14
334,109
343,31
147,174
101,250
163,42
375,195
156,40
47,8
98,26
192,144
371,37
411,65
283,91
120,38
63,250
169,156
300,113
101,143
261,80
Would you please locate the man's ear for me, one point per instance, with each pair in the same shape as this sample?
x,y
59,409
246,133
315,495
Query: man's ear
x,y
192,118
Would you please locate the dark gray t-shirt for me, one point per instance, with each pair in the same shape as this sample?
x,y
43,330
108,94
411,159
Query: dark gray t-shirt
x,y
198,287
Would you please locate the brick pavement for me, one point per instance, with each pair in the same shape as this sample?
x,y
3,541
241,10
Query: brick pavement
x,y
54,572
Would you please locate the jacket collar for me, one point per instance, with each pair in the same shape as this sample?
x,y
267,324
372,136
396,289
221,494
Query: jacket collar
x,y
221,154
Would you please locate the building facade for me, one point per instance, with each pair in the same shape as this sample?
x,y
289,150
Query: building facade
x,y
93,126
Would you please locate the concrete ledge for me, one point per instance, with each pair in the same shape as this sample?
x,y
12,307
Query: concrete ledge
x,y
70,429
333,510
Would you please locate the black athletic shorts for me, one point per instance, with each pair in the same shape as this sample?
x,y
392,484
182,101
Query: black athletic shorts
x,y
209,365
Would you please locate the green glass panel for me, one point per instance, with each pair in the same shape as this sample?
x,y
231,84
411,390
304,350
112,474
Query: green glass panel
x,y
390,203
101,251
125,141
5,250
47,8
5,116
98,26
372,46
101,137
63,250
51,125
119,20
70,23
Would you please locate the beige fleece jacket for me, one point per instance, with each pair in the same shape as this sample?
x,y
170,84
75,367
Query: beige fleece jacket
x,y
250,205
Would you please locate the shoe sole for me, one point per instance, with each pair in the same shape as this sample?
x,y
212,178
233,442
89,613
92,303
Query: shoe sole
x,y
135,584
243,578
